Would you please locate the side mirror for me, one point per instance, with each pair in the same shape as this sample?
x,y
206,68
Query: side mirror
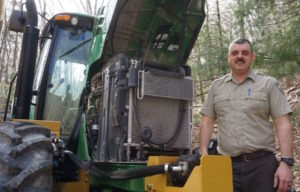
x,y
17,21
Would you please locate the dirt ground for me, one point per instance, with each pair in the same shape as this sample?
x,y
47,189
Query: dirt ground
x,y
292,90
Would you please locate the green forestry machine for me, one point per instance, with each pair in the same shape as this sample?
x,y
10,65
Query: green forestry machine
x,y
104,103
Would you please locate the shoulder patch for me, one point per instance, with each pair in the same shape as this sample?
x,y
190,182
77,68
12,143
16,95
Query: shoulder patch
x,y
279,87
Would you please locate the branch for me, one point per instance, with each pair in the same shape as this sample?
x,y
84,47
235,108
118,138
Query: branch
x,y
279,22
204,93
282,4
61,5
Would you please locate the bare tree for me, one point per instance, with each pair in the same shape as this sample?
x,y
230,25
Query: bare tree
x,y
1,13
9,46
89,7
43,12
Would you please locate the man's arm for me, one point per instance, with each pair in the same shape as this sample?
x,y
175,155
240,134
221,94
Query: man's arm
x,y
284,132
283,177
206,130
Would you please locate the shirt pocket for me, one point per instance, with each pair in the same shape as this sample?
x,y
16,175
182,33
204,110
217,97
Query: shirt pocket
x,y
222,104
257,103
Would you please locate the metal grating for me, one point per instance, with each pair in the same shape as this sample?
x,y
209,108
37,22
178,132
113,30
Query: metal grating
x,y
161,115
160,107
167,86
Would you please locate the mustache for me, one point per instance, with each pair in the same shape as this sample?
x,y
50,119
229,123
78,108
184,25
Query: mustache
x,y
239,59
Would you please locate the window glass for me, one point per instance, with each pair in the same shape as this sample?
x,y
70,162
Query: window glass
x,y
66,77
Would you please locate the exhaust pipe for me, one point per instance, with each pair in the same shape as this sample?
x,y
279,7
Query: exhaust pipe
x,y
23,93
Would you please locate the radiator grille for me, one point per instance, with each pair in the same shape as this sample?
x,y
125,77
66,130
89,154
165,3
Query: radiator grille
x,y
160,108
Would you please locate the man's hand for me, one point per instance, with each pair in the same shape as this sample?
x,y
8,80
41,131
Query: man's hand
x,y
283,178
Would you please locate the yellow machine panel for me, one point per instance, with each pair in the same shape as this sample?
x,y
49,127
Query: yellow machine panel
x,y
213,175
81,185
54,126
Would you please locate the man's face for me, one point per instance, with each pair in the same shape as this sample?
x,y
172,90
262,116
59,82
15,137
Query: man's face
x,y
240,58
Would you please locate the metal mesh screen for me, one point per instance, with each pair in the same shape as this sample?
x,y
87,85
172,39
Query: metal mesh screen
x,y
160,111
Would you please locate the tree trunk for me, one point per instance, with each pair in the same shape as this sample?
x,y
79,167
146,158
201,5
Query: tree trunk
x,y
208,40
241,7
16,52
219,25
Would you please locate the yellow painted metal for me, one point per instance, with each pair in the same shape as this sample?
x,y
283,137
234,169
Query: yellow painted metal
x,y
214,174
81,185
54,126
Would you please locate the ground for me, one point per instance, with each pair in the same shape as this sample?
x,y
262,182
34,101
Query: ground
x,y
292,90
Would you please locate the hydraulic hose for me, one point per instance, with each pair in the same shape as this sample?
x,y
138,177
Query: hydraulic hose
x,y
120,174
137,173
8,97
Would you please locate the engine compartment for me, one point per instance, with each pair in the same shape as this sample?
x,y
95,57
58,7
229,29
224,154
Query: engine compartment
x,y
136,111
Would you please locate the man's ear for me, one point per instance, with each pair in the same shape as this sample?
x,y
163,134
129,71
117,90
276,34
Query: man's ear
x,y
227,57
253,56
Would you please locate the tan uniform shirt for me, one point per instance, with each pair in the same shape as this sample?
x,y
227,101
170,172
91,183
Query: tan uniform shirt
x,y
243,112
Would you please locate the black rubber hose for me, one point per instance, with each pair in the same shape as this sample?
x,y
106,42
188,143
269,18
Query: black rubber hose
x,y
8,97
137,173
118,175
178,125
181,111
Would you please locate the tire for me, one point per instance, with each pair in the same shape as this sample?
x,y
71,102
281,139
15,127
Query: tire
x,y
25,157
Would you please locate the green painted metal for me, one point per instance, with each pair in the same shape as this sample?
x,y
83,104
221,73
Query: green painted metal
x,y
82,149
107,190
31,112
147,29
100,30
132,185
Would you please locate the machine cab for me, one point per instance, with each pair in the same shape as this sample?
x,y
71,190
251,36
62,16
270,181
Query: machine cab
x,y
60,74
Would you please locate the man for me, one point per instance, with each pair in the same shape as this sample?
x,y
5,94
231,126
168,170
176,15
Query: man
x,y
241,103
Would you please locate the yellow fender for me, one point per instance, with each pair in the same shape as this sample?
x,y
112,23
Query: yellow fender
x,y
214,174
54,126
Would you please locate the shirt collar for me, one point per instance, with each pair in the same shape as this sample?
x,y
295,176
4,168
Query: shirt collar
x,y
250,75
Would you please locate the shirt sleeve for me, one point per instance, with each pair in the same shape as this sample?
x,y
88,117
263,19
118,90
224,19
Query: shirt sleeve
x,y
278,103
208,105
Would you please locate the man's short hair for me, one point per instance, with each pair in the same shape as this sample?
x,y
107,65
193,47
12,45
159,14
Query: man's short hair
x,y
240,40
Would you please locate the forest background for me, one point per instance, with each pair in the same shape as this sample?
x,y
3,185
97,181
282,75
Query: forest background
x,y
273,26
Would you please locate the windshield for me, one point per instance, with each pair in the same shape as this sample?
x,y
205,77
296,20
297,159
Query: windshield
x,y
66,77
